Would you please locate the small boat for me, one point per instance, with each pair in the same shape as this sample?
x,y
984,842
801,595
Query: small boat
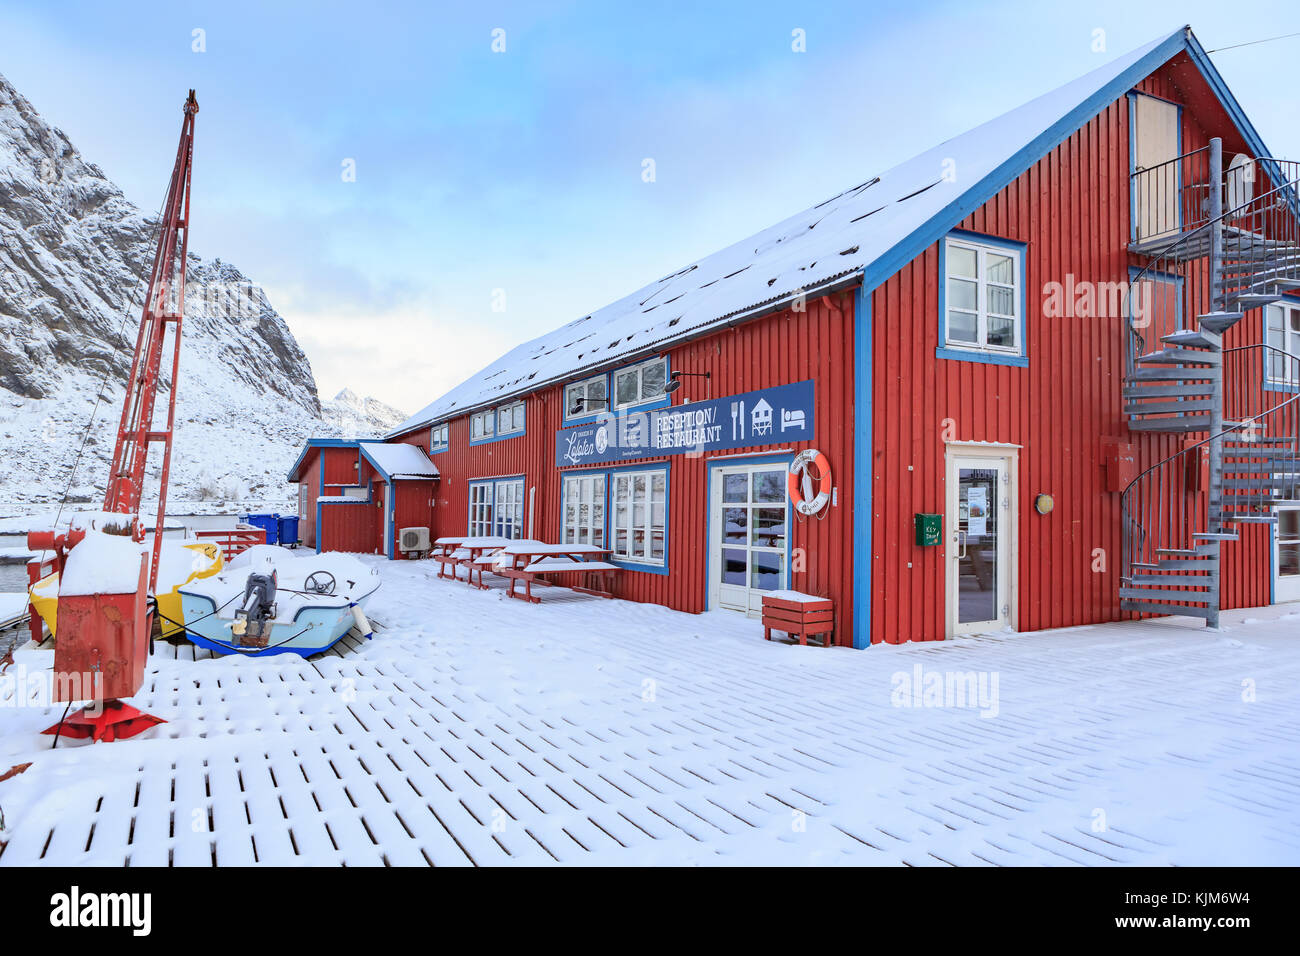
x,y
181,561
270,600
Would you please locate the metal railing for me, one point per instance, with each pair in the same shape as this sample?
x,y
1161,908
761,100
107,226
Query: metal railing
x,y
1166,504
1251,247
1172,196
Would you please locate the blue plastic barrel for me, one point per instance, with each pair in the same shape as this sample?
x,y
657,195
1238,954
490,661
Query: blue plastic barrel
x,y
288,530
268,523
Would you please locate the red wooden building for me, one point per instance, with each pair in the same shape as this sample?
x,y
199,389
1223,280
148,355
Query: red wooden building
x,y
356,495
1030,357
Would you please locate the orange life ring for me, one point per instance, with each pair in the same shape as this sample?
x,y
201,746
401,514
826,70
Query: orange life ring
x,y
800,480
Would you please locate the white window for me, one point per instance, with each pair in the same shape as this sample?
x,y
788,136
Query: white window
x,y
583,511
496,507
1282,331
438,436
640,516
588,397
510,419
640,383
982,296
480,508
482,425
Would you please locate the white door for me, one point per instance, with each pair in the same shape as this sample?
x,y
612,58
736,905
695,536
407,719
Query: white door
x,y
1286,555
748,530
1156,140
980,548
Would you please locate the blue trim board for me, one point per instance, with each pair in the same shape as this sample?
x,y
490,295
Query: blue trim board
x,y
732,462
317,443
863,462
319,512
1230,105
1130,96
1272,564
938,225
946,351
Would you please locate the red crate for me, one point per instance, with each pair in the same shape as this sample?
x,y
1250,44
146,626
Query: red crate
x,y
799,618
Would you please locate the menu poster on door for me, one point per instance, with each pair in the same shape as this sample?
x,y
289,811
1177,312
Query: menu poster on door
x,y
763,417
977,504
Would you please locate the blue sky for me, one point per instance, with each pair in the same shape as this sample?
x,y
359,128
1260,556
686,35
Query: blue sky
x,y
521,171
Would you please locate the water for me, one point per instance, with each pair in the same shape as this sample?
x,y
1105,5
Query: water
x,y
13,577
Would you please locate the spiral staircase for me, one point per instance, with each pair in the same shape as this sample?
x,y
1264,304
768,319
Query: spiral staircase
x,y
1217,245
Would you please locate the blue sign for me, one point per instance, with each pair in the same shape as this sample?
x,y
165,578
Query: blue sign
x,y
764,417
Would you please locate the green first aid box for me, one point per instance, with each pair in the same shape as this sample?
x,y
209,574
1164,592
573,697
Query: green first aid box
x,y
929,529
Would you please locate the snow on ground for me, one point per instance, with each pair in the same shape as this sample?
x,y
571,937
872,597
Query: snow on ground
x,y
475,729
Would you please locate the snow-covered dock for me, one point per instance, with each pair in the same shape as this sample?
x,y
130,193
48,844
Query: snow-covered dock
x,y
477,730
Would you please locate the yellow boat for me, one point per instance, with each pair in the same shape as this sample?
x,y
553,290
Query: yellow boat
x,y
180,565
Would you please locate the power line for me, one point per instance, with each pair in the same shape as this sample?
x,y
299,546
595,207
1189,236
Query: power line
x,y
1234,46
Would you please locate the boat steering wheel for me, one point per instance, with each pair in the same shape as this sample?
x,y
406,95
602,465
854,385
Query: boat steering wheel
x,y
316,583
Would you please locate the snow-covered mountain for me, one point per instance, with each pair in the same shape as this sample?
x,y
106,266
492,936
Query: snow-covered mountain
x,y
351,416
73,254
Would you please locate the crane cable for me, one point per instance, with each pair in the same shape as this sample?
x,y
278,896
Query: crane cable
x,y
99,394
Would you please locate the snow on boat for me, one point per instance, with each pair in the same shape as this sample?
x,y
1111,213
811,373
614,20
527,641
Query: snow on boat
x,y
269,600
180,561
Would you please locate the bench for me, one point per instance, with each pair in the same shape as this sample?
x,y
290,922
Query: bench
x,y
452,558
530,575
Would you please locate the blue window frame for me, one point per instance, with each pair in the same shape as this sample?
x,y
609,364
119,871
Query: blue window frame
x,y
624,509
438,438
1282,331
496,507
586,399
497,424
640,386
982,299
1150,334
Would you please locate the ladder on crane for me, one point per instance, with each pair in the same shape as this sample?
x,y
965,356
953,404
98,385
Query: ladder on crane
x,y
164,308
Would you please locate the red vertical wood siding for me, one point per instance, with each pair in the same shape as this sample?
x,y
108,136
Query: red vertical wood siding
x,y
773,350
1072,210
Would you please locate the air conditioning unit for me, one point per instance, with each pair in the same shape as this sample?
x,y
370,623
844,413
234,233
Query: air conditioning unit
x,y
414,539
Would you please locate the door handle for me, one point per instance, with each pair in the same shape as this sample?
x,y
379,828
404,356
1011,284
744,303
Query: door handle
x,y
960,539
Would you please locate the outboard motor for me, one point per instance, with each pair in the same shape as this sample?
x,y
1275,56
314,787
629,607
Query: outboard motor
x,y
253,619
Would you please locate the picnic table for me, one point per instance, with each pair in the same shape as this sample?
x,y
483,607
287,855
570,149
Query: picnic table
x,y
529,560
472,552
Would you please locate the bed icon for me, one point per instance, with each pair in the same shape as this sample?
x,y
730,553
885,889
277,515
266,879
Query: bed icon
x,y
793,419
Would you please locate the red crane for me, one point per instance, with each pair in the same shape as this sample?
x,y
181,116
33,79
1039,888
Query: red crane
x,y
104,637
164,307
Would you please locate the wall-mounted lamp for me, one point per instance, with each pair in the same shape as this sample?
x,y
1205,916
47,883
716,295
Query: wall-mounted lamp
x,y
580,403
675,380
1043,504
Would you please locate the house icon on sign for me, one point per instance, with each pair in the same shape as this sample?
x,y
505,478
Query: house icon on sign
x,y
761,418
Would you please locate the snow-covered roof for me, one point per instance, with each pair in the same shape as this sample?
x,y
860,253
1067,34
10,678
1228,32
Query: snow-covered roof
x,y
872,229
399,460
